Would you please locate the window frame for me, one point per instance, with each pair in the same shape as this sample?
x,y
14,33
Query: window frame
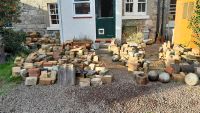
x,y
81,15
50,19
135,8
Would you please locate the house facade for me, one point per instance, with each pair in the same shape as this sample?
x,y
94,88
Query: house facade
x,y
39,15
182,34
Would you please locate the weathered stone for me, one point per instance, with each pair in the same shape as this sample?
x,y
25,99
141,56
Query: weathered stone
x,y
44,74
96,58
103,72
30,81
185,67
18,61
141,79
164,77
47,64
191,79
115,58
46,81
92,66
169,61
176,68
100,69
153,76
24,73
34,72
16,71
107,79
84,82
179,77
96,81
169,70
90,73
28,65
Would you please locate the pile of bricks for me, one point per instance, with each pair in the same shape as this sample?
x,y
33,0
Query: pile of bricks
x,y
62,63
131,55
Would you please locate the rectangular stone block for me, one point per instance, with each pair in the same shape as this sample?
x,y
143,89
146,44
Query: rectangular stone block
x,y
179,77
34,72
30,81
100,69
16,71
47,64
44,74
46,81
84,82
28,65
107,79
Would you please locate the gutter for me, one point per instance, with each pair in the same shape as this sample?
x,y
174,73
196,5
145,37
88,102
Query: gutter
x,y
61,22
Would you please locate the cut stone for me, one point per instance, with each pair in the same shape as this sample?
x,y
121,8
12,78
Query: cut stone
x,y
44,74
153,76
96,58
92,66
84,82
141,79
46,81
30,81
24,73
28,65
185,67
191,79
169,70
34,72
107,79
179,77
96,81
164,77
176,68
16,71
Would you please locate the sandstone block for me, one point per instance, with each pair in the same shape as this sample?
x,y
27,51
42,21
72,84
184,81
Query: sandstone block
x,y
179,77
16,71
30,81
96,81
107,79
28,65
34,72
84,82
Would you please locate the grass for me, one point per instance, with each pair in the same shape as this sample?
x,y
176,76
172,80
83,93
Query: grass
x,y
7,81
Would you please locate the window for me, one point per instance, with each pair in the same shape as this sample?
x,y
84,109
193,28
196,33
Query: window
x,y
53,14
188,10
135,7
82,7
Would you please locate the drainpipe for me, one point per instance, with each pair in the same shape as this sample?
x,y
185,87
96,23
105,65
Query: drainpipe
x,y
61,22
158,19
163,14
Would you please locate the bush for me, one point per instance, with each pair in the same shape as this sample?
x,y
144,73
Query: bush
x,y
13,41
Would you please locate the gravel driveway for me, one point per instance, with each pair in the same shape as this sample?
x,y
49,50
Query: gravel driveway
x,y
122,96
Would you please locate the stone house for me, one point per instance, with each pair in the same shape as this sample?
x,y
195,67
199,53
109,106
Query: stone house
x,y
39,15
94,19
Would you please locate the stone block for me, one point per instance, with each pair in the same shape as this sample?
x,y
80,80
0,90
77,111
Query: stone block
x,y
38,64
34,72
96,58
186,67
169,70
96,82
92,66
132,66
107,79
30,81
44,74
191,79
47,64
84,82
179,77
49,53
16,71
141,79
24,73
53,62
46,81
28,65
98,69
176,68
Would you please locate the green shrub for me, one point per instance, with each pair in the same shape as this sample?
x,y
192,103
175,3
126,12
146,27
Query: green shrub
x,y
13,40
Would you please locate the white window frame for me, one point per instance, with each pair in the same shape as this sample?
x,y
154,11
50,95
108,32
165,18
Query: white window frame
x,y
135,8
81,15
50,19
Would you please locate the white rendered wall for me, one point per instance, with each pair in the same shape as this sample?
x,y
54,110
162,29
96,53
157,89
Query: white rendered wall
x,y
76,27
118,34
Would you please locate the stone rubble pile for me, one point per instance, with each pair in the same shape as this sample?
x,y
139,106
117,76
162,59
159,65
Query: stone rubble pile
x,y
66,64
182,63
35,40
132,55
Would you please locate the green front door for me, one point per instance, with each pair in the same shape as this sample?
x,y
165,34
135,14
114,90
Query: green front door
x,y
105,18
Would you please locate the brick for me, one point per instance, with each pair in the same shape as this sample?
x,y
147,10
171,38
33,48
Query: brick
x,y
34,72
44,74
47,64
46,81
30,81
28,65
169,70
16,71
107,79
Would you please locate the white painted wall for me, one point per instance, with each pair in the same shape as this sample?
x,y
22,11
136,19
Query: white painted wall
x,y
75,27
118,9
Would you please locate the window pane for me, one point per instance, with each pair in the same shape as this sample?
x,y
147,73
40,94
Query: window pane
x,y
52,6
54,22
141,0
139,7
143,7
131,7
127,7
82,8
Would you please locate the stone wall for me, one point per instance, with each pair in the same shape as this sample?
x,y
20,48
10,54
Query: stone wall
x,y
34,16
137,25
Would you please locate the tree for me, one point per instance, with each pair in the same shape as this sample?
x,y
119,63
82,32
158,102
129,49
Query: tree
x,y
195,24
9,11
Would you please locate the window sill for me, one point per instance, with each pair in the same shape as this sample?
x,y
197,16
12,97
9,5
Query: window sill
x,y
82,16
136,17
53,28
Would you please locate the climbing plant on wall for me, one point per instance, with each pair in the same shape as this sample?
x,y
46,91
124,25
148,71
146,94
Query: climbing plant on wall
x,y
195,23
9,11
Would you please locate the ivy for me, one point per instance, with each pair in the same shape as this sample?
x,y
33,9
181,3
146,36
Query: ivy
x,y
195,23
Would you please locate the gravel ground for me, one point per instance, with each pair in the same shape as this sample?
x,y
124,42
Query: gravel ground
x,y
123,95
